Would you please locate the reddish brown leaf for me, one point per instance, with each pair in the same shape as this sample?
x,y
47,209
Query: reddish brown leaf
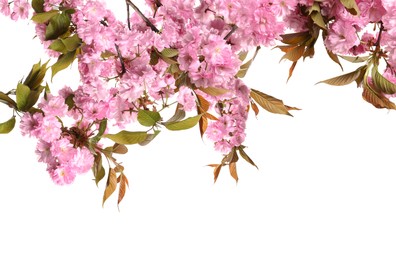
x,y
295,38
203,125
291,69
294,54
233,171
216,171
254,107
376,99
110,186
122,188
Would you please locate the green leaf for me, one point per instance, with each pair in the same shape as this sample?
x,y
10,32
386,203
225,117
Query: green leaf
x,y
58,25
97,169
316,16
351,6
111,185
7,100
169,52
101,130
69,101
344,79
148,118
7,126
269,103
33,98
355,59
213,91
64,61
38,6
244,68
126,137
59,46
72,43
22,96
42,17
36,75
184,124
383,84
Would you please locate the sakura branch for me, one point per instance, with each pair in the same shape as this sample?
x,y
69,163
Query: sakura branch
x,y
185,55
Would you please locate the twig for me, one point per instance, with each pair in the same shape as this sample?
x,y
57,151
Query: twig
x,y
147,21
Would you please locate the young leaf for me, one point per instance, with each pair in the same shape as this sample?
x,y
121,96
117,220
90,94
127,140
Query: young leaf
x,y
71,43
97,169
351,6
245,156
291,69
59,46
356,59
213,91
110,186
22,96
344,79
255,108
64,61
376,99
36,75
7,100
38,6
216,171
382,83
41,17
203,103
269,103
169,52
233,171
178,115
58,25
316,16
334,58
295,38
244,68
119,148
184,124
7,126
149,138
203,125
148,118
122,187
294,54
126,137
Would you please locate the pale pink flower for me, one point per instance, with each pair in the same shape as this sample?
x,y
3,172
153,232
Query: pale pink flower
x,y
186,98
62,175
31,124
82,160
53,105
341,37
5,7
50,129
20,10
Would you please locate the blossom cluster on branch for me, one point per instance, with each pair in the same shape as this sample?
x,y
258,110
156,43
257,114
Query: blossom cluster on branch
x,y
186,55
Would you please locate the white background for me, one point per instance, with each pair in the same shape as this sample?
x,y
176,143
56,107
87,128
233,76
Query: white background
x,y
325,188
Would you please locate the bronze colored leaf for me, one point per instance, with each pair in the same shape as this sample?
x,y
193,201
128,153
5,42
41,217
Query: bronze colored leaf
x,y
119,148
216,171
203,125
245,156
7,100
355,59
295,38
233,171
269,103
382,83
178,115
203,103
376,99
254,107
122,187
111,185
344,79
291,69
294,54
244,68
212,91
334,58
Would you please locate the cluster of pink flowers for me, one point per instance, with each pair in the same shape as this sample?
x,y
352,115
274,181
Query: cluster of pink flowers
x,y
178,50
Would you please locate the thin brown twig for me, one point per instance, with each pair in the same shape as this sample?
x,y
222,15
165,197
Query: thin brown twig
x,y
145,19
